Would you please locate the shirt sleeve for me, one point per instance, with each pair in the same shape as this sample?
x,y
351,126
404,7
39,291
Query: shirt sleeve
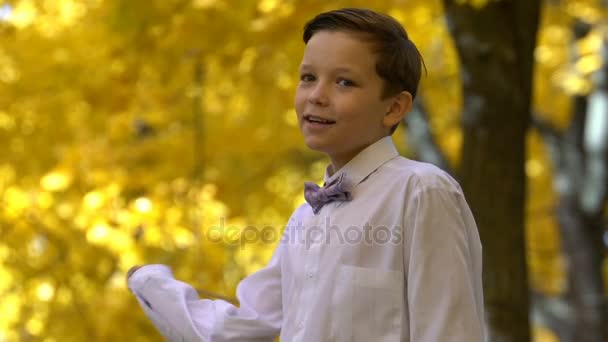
x,y
179,314
443,264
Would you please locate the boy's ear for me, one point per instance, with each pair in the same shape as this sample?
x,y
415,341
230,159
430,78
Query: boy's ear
x,y
400,106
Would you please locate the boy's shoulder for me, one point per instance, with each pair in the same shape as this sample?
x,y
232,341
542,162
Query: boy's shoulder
x,y
420,175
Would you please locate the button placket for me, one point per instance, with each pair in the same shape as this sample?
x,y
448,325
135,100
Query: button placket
x,y
310,273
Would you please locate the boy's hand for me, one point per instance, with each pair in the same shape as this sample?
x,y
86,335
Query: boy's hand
x,y
132,270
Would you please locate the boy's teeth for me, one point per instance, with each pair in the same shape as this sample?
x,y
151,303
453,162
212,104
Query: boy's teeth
x,y
319,120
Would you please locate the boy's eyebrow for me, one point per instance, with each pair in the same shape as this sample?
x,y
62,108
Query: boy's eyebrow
x,y
343,69
339,69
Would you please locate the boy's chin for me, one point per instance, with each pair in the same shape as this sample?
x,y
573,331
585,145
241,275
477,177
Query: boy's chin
x,y
315,145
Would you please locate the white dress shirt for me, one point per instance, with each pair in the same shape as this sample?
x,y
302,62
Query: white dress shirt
x,y
400,262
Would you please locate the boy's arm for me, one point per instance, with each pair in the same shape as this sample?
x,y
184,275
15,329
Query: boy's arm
x,y
177,312
443,265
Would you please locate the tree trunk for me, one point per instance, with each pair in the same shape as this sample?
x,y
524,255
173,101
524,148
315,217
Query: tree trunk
x,y
495,45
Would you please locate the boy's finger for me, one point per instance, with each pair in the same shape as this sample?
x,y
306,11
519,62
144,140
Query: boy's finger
x,y
132,270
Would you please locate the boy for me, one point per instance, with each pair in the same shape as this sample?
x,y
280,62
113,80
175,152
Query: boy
x,y
391,251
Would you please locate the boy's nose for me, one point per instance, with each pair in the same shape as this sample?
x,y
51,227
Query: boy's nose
x,y
318,95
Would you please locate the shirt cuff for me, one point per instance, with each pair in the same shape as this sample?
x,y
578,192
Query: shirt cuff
x,y
139,278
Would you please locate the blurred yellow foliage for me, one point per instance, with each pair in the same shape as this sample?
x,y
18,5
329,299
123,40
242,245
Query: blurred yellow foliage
x,y
118,150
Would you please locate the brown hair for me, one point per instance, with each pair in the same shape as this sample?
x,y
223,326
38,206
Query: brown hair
x,y
399,62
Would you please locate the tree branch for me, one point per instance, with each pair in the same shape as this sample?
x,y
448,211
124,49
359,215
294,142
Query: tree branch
x,y
553,313
552,138
421,138
595,142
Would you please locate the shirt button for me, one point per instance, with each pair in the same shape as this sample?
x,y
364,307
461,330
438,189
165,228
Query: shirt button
x,y
310,274
301,324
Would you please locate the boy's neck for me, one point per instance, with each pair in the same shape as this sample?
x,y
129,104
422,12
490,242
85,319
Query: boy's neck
x,y
333,167
338,161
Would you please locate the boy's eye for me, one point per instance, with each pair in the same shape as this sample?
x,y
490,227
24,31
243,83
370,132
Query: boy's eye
x,y
307,78
345,82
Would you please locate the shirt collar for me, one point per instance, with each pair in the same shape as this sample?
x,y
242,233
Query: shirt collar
x,y
366,162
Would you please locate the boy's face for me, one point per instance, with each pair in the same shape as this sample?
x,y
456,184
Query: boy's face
x,y
339,86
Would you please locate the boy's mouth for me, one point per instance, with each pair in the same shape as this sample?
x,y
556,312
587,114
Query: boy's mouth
x,y
318,120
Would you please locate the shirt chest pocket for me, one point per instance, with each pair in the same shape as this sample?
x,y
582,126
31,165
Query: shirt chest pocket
x,y
367,305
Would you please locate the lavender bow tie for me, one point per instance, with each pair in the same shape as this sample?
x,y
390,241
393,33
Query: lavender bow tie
x,y
336,190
